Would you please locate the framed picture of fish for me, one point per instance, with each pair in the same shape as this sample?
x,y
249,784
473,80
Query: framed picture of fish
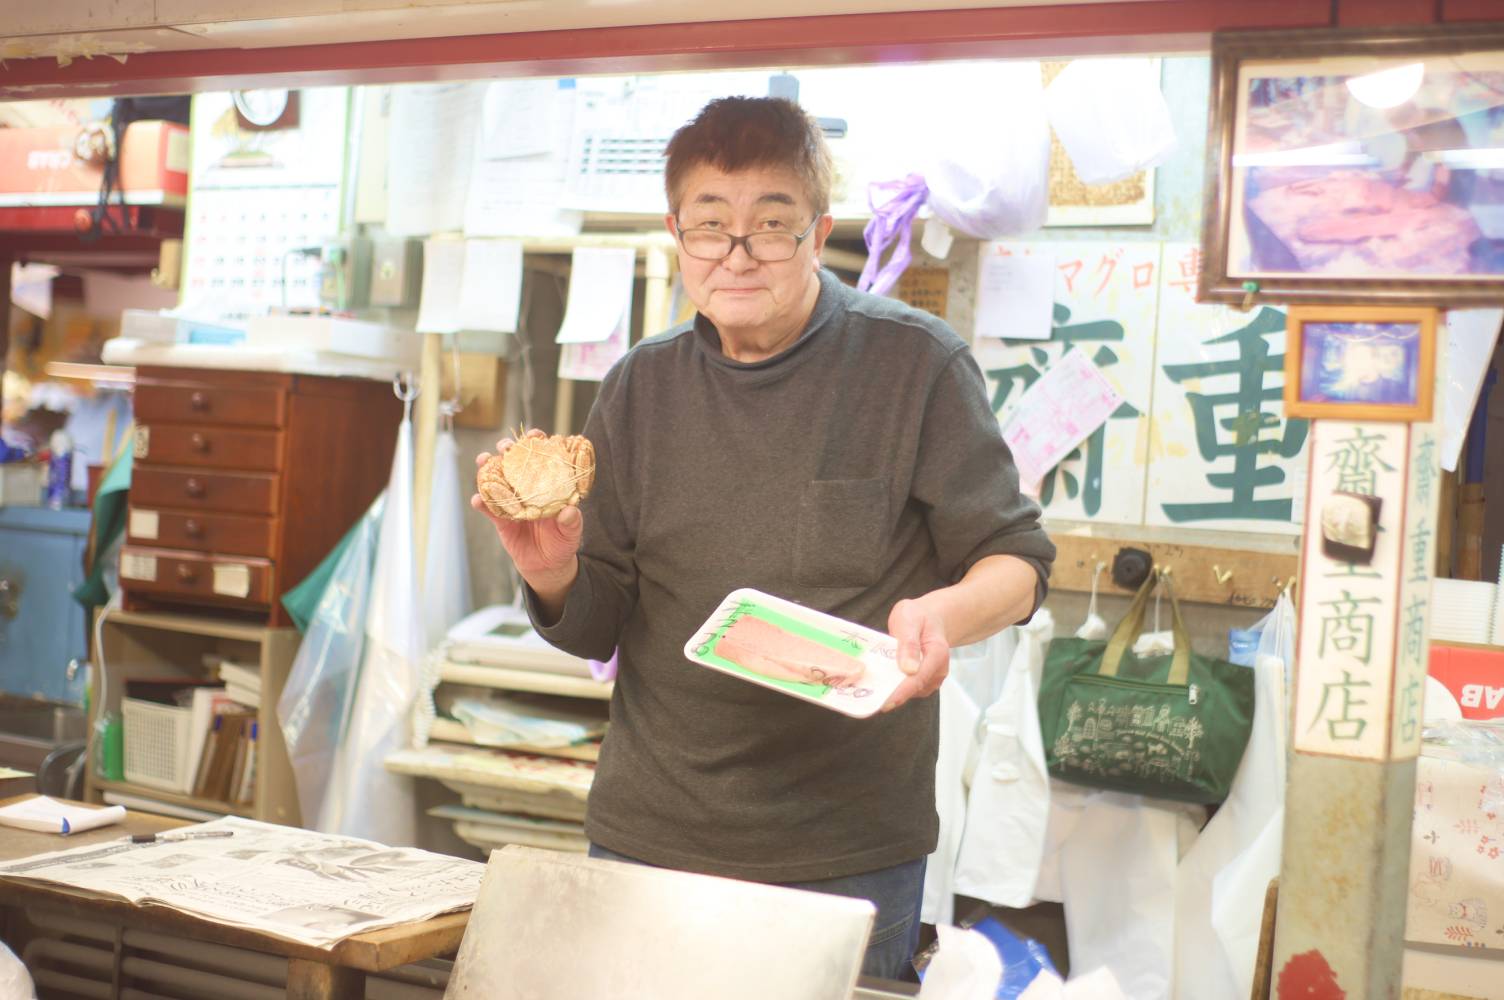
x,y
1359,166
1360,362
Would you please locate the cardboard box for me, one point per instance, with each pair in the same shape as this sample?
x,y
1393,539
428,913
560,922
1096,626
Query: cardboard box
x,y
38,167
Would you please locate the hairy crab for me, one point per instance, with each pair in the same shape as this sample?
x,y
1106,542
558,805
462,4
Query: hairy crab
x,y
537,475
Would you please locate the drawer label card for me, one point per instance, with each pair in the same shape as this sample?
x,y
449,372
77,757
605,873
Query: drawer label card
x,y
143,441
135,566
145,524
232,579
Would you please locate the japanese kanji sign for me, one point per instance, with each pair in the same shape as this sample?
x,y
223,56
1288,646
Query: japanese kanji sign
x,y
1360,662
1222,455
1105,303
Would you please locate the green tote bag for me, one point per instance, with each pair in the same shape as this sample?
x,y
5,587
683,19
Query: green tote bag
x,y
1171,726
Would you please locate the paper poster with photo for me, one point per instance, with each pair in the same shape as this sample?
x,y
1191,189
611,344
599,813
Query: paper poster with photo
x,y
1105,303
798,651
1222,453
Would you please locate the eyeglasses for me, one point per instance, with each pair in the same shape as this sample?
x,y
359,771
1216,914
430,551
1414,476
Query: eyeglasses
x,y
769,248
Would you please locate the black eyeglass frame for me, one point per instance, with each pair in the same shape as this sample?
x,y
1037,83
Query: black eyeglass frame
x,y
743,241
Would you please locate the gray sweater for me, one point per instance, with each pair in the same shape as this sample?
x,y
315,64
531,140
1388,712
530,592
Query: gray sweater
x,y
859,467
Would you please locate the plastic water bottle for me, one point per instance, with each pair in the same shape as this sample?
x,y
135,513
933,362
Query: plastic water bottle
x,y
60,470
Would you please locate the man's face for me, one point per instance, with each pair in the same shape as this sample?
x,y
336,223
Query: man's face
x,y
738,293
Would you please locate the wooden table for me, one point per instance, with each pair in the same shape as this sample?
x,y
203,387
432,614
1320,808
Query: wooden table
x,y
337,973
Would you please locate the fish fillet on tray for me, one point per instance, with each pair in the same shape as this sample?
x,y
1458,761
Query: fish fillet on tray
x,y
807,654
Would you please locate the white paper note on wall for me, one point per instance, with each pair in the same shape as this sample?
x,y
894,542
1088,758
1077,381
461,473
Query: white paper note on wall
x,y
600,290
1015,296
443,276
1058,412
519,118
598,314
519,195
491,290
430,152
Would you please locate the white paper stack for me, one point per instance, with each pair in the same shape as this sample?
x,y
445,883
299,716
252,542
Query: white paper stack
x,y
242,684
1462,610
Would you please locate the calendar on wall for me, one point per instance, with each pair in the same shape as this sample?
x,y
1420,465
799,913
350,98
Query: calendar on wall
x,y
257,198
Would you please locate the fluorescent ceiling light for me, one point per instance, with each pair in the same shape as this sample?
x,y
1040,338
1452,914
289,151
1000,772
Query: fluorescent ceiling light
x,y
1388,88
1490,158
1335,154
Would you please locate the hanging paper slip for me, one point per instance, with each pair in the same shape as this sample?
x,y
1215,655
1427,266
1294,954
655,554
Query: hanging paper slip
x,y
598,315
808,654
491,289
443,275
1059,411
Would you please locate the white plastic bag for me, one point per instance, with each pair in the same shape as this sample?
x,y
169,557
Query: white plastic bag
x,y
991,175
1118,876
365,799
1111,117
315,700
446,574
1237,854
966,967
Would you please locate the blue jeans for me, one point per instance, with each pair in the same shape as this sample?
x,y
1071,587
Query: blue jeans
x,y
897,893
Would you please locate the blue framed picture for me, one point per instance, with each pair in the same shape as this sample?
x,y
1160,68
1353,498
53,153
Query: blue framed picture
x,y
1360,363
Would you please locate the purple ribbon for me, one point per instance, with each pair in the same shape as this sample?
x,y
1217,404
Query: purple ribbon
x,y
892,220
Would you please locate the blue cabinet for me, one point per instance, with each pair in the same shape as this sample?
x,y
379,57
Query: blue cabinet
x,y
41,625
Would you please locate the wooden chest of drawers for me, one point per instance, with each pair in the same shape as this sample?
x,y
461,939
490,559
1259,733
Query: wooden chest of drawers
x,y
243,482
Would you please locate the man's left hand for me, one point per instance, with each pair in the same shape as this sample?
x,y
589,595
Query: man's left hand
x,y
923,651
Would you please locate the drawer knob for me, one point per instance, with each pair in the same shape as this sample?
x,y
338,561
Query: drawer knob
x,y
185,573
193,528
194,487
199,442
198,401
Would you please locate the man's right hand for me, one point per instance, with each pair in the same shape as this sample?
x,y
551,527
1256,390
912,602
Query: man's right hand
x,y
544,551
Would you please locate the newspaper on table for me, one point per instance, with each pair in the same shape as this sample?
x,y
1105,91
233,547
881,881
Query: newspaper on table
x,y
313,888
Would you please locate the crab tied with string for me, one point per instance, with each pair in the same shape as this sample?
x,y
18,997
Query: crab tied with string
x,y
537,475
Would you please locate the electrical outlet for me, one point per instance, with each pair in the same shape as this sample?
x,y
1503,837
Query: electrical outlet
x,y
346,273
396,273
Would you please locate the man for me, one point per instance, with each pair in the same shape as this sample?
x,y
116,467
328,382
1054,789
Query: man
x,y
813,442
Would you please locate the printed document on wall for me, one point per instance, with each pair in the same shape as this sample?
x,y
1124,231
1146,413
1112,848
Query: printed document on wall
x,y
1105,300
518,182
1070,401
431,150
1015,295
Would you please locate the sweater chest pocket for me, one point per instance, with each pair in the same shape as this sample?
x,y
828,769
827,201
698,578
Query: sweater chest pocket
x,y
843,524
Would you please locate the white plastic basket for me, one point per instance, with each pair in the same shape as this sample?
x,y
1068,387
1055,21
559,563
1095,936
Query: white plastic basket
x,y
156,745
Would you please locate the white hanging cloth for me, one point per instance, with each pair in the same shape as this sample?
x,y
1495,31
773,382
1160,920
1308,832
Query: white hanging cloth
x,y
1009,804
446,564
958,725
365,799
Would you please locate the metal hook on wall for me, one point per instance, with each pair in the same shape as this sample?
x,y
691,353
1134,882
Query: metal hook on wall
x,y
405,387
1221,575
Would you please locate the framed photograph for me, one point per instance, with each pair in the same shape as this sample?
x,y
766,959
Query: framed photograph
x,y
1356,166
1360,362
